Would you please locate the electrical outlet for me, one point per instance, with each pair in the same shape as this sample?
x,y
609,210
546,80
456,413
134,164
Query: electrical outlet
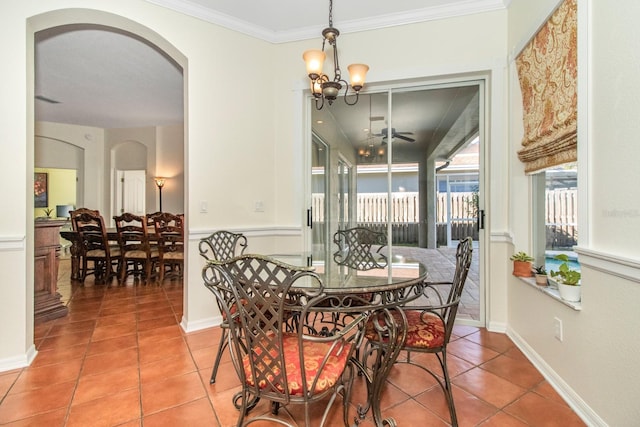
x,y
557,329
259,206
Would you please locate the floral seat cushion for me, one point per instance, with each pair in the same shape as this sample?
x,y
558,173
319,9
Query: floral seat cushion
x,y
314,354
425,330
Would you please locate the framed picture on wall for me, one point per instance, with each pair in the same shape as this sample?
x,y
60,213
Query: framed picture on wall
x,y
40,190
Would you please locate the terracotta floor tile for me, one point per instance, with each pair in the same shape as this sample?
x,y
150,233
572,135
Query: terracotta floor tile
x,y
116,319
519,372
205,357
193,414
112,344
50,419
205,338
411,379
464,330
111,410
160,322
92,387
113,331
225,379
66,340
471,351
47,375
535,410
411,413
163,349
501,419
174,391
165,368
59,355
545,390
153,314
161,333
7,380
493,340
470,410
65,328
109,361
489,387
46,399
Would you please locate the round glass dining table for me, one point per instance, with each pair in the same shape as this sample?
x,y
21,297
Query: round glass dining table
x,y
378,291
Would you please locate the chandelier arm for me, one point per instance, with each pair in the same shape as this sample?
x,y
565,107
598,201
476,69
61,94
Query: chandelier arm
x,y
346,93
319,106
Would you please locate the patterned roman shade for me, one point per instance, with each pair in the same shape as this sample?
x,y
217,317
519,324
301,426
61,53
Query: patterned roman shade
x,y
547,69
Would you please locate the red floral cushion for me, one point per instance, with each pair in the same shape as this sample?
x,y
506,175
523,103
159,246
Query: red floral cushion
x,y
424,329
314,354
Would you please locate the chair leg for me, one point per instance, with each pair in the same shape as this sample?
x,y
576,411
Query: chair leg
x,y
161,273
448,390
221,347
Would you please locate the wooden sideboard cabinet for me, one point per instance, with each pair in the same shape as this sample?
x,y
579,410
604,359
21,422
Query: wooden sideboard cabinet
x,y
47,302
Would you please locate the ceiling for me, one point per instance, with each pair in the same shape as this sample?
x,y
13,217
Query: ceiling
x,y
110,79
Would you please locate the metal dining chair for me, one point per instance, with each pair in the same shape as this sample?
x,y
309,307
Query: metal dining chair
x,y
360,248
274,361
222,245
429,324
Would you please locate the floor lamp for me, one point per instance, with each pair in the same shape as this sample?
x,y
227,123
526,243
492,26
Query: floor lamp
x,y
160,184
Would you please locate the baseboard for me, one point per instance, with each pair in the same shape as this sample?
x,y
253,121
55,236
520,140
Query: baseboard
x,y
18,362
198,325
576,403
500,327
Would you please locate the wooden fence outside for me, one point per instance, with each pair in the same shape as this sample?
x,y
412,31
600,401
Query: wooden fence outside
x,y
371,212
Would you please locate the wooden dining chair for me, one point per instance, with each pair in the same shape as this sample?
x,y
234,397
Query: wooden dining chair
x,y
138,256
169,233
94,245
429,322
222,245
273,361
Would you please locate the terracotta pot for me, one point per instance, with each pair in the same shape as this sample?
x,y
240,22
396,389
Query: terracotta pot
x,y
522,269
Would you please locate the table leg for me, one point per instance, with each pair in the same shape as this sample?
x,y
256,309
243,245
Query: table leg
x,y
75,260
377,361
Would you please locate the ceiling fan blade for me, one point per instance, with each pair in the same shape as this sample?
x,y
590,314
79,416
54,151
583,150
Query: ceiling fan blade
x,y
406,138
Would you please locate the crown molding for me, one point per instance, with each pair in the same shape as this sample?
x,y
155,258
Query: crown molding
x,y
455,9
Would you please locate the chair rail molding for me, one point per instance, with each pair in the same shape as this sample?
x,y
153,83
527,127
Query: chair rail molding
x,y
12,243
615,265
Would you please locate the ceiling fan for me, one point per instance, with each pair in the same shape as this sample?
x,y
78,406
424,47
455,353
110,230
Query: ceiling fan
x,y
384,133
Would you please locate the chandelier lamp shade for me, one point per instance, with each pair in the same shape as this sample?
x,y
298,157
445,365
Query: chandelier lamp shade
x,y
322,88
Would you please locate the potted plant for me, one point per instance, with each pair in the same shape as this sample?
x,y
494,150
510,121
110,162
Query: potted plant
x,y
568,280
541,275
522,264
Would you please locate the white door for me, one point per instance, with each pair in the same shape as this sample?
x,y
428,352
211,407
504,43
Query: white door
x,y
130,192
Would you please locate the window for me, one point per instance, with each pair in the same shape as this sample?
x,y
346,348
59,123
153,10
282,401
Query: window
x,y
555,214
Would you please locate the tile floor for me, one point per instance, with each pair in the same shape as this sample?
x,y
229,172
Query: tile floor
x,y
120,358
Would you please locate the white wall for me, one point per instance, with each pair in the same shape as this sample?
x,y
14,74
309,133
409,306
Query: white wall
x,y
595,366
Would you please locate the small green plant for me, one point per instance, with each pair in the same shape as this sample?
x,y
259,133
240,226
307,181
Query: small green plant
x,y
48,212
566,274
540,269
521,256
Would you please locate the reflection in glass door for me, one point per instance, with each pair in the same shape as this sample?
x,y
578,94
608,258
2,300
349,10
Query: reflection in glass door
x,y
344,190
317,214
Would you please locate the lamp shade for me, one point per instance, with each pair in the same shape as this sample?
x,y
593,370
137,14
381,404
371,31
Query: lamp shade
x,y
314,60
62,211
357,72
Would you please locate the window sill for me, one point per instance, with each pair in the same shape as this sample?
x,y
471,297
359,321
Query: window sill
x,y
551,291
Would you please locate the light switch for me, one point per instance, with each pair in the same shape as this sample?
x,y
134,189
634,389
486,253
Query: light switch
x,y
204,206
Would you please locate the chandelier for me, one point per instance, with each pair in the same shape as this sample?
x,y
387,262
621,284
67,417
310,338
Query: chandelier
x,y
321,87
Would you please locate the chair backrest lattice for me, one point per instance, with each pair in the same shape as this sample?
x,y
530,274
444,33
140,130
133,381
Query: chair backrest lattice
x,y
256,291
222,245
463,263
360,248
